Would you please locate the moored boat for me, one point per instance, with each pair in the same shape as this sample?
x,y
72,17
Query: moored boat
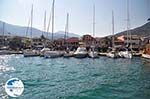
x,y
112,50
146,52
81,52
146,56
125,54
93,54
69,54
112,54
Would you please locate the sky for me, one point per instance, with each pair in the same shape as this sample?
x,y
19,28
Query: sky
x,y
17,12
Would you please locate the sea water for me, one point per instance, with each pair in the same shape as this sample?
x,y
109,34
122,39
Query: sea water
x,y
71,78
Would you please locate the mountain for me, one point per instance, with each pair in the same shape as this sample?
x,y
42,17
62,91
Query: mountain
x,y
142,31
60,34
15,30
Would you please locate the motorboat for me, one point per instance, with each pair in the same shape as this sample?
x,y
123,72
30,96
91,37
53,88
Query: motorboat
x,y
93,54
81,52
125,54
146,52
112,54
146,56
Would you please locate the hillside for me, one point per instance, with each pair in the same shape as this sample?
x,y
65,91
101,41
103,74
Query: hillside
x,y
15,30
142,31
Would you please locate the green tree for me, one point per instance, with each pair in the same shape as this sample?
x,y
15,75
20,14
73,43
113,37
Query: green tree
x,y
16,43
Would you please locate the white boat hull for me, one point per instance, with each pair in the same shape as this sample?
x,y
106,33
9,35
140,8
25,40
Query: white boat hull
x,y
111,55
93,55
125,54
146,56
52,54
81,52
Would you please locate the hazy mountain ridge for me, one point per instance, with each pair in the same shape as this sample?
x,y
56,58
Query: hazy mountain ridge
x,y
142,31
15,30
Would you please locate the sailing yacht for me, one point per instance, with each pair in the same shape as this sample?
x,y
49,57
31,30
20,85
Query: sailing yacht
x,y
127,53
51,53
92,53
67,53
112,53
45,49
30,52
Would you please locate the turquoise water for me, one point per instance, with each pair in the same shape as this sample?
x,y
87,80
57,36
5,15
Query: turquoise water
x,y
60,78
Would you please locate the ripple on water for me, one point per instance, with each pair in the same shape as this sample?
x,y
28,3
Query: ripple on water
x,y
6,69
102,78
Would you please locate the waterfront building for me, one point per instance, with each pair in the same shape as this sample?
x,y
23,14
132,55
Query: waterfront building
x,y
134,41
88,40
103,42
72,42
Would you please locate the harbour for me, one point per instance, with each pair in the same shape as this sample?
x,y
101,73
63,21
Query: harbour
x,y
75,49
61,78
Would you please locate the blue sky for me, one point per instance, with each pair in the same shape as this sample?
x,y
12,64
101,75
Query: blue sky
x,y
81,12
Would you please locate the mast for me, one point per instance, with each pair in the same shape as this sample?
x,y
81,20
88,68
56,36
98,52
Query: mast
x,y
128,25
94,21
113,29
44,28
148,7
68,26
53,9
3,33
27,28
66,29
49,22
31,20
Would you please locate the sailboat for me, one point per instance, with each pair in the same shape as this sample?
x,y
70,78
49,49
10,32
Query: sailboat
x,y
112,53
52,54
126,53
67,53
30,52
92,53
45,49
